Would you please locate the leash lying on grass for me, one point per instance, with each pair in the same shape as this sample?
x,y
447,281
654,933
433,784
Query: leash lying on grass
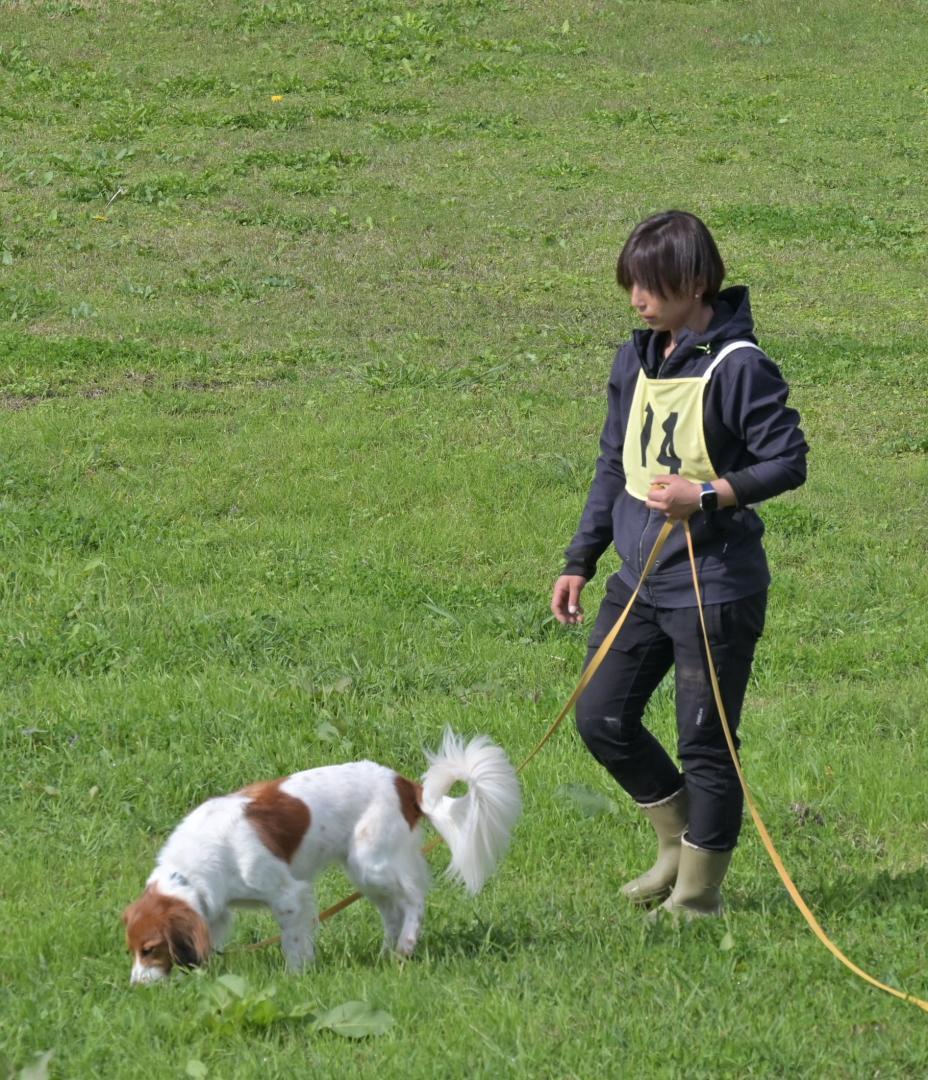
x,y
585,678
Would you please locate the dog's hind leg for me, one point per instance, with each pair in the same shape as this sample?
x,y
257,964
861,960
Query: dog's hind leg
x,y
295,912
413,879
402,918
386,865
391,914
380,887
413,912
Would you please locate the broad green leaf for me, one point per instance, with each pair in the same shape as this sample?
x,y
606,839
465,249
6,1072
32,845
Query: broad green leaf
x,y
354,1020
326,732
235,984
302,1012
196,1069
263,1012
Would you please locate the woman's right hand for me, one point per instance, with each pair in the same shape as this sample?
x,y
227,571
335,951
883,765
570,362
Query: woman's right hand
x,y
565,600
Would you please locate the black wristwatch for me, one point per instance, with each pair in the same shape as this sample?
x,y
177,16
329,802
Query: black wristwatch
x,y
708,499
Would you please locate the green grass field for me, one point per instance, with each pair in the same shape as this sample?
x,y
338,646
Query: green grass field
x,y
299,401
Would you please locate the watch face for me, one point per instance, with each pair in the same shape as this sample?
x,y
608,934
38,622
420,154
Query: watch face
x,y
709,501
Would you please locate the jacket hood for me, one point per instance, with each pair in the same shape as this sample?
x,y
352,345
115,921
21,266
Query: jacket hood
x,y
732,319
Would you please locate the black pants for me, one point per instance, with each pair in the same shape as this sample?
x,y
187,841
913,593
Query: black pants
x,y
610,710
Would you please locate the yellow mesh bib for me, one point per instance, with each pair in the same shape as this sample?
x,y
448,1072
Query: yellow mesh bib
x,y
665,432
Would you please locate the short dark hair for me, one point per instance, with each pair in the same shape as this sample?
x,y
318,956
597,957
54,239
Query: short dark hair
x,y
671,254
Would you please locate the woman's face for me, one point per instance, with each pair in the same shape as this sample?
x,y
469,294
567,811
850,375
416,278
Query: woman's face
x,y
665,313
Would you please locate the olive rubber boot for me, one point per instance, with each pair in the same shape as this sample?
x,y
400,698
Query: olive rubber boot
x,y
699,876
668,818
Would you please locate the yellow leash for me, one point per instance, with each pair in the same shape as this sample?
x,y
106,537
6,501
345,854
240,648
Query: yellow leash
x,y
600,653
794,893
588,674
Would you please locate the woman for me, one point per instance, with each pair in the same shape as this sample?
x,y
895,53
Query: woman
x,y
697,427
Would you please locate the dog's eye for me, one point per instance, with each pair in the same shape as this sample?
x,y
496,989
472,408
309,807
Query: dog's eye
x,y
148,950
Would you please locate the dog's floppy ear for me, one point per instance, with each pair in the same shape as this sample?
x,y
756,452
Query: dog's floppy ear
x,y
187,937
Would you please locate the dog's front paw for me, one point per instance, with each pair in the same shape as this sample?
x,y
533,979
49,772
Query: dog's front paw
x,y
298,955
296,964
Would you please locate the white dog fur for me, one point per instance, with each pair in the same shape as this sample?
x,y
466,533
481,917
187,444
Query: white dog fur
x,y
267,843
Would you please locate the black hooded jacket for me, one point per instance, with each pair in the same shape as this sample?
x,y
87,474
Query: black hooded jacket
x,y
754,441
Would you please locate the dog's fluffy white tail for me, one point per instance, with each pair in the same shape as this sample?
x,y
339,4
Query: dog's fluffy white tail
x,y
476,826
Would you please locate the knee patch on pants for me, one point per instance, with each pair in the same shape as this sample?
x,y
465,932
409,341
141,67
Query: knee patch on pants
x,y
592,727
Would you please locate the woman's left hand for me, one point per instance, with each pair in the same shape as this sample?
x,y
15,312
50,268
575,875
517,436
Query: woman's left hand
x,y
673,496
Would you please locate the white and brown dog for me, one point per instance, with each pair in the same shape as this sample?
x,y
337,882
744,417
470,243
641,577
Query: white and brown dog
x,y
267,843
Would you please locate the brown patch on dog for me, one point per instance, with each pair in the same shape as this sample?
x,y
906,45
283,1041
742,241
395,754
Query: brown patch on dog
x,y
410,796
164,930
279,819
